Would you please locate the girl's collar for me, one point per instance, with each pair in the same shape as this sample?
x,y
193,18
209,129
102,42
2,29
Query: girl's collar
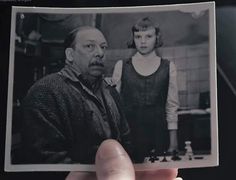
x,y
150,56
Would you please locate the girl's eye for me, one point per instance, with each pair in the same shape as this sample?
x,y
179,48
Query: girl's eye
x,y
137,37
149,36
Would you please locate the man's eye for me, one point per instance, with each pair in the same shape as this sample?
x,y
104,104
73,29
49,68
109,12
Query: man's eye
x,y
90,46
104,47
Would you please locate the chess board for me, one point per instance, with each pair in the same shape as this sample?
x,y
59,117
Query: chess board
x,y
183,158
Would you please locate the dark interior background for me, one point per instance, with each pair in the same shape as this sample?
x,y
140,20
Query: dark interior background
x,y
226,82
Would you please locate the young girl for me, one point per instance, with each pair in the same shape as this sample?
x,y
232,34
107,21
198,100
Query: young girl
x,y
147,84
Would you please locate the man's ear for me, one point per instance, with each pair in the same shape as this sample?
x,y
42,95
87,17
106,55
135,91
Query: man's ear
x,y
69,54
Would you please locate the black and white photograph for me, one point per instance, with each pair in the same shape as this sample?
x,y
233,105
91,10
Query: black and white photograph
x,y
142,76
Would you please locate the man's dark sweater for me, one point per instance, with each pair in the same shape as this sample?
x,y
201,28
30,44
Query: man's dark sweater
x,y
64,122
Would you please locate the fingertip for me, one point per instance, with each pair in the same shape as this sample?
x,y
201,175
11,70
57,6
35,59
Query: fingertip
x,y
112,162
108,149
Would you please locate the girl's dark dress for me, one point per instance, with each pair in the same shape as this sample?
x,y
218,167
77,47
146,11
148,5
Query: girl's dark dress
x,y
145,104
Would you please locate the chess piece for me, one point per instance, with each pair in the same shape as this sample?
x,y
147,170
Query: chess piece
x,y
175,156
152,159
153,156
189,150
164,157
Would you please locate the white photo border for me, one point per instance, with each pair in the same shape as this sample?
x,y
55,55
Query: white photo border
x,y
213,159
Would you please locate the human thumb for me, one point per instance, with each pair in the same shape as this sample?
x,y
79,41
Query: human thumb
x,y
113,163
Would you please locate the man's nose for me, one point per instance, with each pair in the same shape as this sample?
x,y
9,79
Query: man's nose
x,y
99,52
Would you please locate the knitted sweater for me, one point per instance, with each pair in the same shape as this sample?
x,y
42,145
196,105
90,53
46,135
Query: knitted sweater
x,y
64,122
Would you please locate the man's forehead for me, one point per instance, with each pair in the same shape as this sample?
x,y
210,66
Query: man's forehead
x,y
90,34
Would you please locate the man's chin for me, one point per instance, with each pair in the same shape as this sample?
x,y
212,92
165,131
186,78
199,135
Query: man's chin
x,y
96,71
96,74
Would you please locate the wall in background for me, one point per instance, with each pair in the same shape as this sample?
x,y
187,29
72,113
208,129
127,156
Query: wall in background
x,y
51,27
192,63
177,28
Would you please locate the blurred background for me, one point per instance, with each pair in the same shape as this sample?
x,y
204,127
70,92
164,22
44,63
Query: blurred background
x,y
186,46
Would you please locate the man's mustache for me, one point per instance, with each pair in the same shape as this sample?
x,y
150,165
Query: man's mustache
x,y
97,63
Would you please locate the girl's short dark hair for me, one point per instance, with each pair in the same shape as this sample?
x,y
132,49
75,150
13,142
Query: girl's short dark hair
x,y
144,24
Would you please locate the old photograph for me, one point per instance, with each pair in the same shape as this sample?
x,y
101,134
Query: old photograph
x,y
142,76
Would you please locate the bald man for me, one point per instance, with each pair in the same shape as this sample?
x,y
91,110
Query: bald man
x,y
69,113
